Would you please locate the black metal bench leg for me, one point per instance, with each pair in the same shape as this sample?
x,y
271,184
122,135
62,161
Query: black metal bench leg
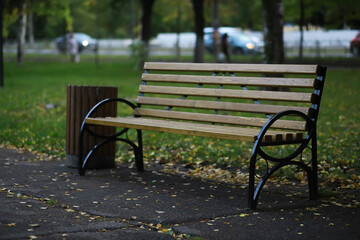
x,y
139,153
254,192
252,200
81,170
313,180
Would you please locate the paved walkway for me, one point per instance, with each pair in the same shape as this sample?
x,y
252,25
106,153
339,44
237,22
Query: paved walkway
x,y
41,198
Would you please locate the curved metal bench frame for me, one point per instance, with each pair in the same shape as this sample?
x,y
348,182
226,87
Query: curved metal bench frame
x,y
257,152
138,149
254,193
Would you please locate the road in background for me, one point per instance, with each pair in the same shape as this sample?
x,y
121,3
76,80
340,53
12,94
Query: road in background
x,y
332,43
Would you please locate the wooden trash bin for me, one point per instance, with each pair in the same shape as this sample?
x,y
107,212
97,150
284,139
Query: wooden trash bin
x,y
80,99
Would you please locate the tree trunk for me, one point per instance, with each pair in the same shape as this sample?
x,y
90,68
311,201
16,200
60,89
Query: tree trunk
x,y
178,32
216,34
1,47
198,7
132,20
273,16
301,26
147,6
30,24
21,33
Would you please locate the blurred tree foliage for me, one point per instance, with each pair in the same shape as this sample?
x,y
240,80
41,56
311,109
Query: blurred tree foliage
x,y
328,14
121,18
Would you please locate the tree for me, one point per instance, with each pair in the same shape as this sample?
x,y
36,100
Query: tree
x,y
273,17
215,26
1,46
178,30
198,7
21,32
241,13
10,16
30,23
147,6
301,27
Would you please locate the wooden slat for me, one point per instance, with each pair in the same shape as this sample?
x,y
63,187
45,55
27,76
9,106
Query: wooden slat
x,y
244,68
227,106
194,129
78,120
228,93
68,111
101,91
203,117
225,80
72,130
176,127
92,102
85,109
272,137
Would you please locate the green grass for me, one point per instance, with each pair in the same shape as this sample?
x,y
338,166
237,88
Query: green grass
x,y
26,123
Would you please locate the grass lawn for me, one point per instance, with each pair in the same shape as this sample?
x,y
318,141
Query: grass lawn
x,y
25,122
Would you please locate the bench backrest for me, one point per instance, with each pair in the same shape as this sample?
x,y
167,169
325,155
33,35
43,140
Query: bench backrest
x,y
235,94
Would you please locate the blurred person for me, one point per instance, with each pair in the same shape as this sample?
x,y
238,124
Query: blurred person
x,y
73,49
225,48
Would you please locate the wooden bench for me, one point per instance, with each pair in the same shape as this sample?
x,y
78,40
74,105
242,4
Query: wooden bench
x,y
224,101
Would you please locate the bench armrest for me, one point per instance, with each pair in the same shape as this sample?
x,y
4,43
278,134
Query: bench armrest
x,y
98,105
310,122
107,100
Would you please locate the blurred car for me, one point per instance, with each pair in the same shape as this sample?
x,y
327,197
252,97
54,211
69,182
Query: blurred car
x,y
355,45
239,42
85,42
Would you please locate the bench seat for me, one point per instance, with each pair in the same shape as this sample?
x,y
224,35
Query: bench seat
x,y
194,129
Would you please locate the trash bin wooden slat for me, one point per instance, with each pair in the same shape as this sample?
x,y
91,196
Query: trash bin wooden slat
x,y
92,101
80,99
